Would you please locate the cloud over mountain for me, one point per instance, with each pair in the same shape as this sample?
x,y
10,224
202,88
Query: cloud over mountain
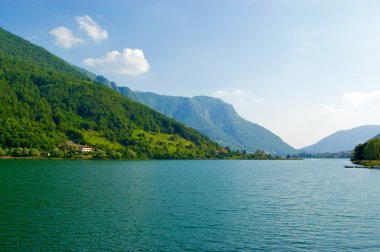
x,y
222,93
355,101
127,62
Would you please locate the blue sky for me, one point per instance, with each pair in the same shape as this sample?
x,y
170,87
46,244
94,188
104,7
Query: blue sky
x,y
301,68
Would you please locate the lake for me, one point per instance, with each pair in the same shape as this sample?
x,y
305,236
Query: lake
x,y
188,205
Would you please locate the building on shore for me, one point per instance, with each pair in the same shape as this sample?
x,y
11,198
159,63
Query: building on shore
x,y
85,149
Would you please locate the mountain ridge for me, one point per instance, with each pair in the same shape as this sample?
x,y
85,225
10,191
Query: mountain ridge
x,y
343,140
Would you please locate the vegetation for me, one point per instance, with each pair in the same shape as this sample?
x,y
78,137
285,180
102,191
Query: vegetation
x,y
370,150
46,102
368,153
257,155
49,108
368,163
342,154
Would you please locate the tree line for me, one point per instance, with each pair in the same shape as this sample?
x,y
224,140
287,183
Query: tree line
x,y
369,150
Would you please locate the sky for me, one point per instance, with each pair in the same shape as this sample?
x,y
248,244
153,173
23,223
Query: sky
x,y
301,68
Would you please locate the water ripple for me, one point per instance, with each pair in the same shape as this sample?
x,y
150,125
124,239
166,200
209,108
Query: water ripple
x,y
188,206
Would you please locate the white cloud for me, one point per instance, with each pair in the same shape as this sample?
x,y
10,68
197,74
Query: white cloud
x,y
237,96
354,102
92,28
64,37
127,62
235,93
358,98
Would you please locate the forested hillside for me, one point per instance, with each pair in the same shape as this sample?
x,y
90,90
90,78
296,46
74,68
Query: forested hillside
x,y
45,102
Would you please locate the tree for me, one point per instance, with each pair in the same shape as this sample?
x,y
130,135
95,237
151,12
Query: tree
x,y
34,152
357,154
371,149
2,152
17,152
25,152
131,154
100,154
75,135
260,153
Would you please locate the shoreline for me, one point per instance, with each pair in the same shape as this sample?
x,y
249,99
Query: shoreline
x,y
369,164
95,159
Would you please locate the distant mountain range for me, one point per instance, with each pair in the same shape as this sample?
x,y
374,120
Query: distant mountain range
x,y
211,116
344,140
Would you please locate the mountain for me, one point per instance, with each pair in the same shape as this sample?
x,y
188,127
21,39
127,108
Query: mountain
x,y
217,120
47,104
214,118
211,116
344,140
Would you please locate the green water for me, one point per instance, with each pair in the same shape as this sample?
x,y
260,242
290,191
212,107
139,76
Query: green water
x,y
188,205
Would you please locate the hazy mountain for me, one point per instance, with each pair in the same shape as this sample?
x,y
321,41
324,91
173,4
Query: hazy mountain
x,y
218,120
45,101
344,140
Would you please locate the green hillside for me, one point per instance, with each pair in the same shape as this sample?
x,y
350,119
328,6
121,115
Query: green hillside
x,y
48,105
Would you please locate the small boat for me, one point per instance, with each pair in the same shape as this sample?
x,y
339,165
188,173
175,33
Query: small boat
x,y
355,166
349,166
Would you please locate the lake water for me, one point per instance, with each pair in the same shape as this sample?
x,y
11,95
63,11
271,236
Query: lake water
x,y
188,205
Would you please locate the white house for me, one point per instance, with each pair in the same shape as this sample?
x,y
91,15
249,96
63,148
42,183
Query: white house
x,y
85,149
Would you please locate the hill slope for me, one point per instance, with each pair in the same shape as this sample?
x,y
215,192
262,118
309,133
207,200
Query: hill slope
x,y
44,102
344,140
216,119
